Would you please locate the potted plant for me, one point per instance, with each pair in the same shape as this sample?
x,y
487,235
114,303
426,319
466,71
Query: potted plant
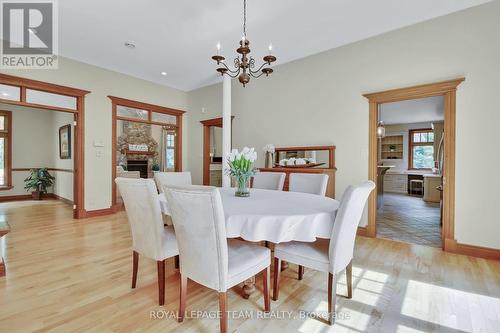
x,y
38,181
241,168
155,167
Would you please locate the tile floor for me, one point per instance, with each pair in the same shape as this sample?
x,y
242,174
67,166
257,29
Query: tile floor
x,y
409,219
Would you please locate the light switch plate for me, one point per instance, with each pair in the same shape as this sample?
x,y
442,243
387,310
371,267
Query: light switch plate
x,y
98,143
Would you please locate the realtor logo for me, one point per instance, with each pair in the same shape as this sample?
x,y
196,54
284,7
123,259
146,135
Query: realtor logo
x,y
29,34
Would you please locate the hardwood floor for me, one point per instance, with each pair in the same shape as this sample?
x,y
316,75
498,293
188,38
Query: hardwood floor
x,y
409,219
66,275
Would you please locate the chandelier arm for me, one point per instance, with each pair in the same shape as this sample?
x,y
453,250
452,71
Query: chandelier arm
x,y
258,70
232,75
233,72
253,74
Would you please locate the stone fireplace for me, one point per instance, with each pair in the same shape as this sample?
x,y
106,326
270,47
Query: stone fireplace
x,y
134,133
139,165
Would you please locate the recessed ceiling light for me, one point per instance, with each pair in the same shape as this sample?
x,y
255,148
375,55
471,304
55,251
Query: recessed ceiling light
x,y
163,73
5,94
130,45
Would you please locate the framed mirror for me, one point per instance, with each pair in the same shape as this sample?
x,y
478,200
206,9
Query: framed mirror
x,y
305,157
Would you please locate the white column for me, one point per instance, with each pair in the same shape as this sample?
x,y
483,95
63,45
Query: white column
x,y
226,127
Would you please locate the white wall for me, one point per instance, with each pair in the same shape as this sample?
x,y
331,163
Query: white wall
x,y
35,140
101,83
318,100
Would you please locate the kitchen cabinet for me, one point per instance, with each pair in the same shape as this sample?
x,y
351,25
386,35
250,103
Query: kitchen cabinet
x,y
216,178
431,182
396,183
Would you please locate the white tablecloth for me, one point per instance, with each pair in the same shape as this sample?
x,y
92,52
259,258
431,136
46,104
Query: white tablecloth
x,y
275,216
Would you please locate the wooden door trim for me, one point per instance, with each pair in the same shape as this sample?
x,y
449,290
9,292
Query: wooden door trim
x,y
79,117
448,90
115,101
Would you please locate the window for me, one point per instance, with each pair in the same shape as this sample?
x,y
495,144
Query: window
x,y
50,99
421,149
5,144
12,93
170,160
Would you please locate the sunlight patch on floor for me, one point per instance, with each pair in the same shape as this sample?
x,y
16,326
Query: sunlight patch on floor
x,y
421,300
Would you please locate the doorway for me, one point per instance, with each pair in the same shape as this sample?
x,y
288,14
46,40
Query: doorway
x,y
146,138
212,151
410,145
447,90
22,93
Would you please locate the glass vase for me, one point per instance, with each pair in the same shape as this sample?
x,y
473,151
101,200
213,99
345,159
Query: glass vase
x,y
242,187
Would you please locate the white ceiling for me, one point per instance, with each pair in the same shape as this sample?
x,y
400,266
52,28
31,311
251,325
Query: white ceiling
x,y
179,37
413,111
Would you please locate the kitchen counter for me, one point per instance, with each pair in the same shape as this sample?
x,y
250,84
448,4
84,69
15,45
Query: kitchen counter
x,y
409,172
381,171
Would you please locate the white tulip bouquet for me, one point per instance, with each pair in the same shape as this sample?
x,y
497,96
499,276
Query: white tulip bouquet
x,y
241,168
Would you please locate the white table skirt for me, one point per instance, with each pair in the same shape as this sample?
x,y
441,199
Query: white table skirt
x,y
275,216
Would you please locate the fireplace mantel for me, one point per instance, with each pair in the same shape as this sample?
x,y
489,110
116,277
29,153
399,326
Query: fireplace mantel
x,y
137,152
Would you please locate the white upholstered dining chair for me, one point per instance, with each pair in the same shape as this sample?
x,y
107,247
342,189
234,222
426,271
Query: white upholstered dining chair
x,y
334,255
313,183
172,179
269,180
206,255
149,237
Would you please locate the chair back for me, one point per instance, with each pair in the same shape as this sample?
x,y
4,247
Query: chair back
x,y
269,180
313,183
144,215
172,179
346,225
200,229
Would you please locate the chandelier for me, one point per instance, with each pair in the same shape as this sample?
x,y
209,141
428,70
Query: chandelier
x,y
244,65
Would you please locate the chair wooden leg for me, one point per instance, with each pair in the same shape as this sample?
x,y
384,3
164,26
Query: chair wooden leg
x,y
161,281
135,267
332,297
176,262
301,272
266,283
223,312
276,282
348,272
182,299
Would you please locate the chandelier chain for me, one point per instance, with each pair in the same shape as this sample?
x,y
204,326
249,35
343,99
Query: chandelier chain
x,y
245,18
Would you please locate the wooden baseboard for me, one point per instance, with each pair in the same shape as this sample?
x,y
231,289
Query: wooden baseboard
x,y
452,245
15,197
362,231
57,197
23,197
97,212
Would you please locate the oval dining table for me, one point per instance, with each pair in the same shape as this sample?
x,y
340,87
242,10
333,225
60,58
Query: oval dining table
x,y
274,216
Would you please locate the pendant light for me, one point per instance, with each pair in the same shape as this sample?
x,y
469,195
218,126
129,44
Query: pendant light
x,y
380,126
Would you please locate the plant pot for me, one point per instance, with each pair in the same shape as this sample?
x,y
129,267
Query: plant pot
x,y
269,160
36,195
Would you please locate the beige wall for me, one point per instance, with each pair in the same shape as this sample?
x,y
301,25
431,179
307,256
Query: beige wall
x,y
101,83
318,100
63,186
35,140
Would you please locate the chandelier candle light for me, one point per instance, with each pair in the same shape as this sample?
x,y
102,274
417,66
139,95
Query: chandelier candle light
x,y
244,67
241,168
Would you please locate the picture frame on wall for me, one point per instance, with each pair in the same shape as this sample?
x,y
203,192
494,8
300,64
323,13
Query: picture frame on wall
x,y
65,142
